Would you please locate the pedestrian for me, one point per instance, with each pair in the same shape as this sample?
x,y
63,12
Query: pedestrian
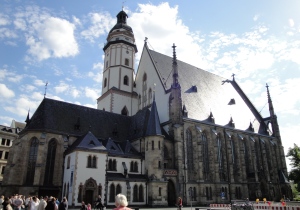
x,y
121,202
43,203
1,201
18,202
179,203
99,204
33,205
63,205
83,206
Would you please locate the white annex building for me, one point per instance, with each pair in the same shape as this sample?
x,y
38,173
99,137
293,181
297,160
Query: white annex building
x,y
169,129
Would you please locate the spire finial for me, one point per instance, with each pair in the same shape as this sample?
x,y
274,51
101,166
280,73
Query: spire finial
x,y
233,76
123,5
45,89
174,53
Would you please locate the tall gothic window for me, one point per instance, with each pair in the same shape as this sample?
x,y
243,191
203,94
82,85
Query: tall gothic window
x,y
48,180
246,156
144,90
220,159
68,162
135,193
189,144
205,156
94,162
33,150
89,161
114,165
141,193
110,167
112,193
119,189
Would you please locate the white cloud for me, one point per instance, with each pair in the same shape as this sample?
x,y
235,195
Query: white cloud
x,y
7,33
101,23
4,20
22,105
291,22
91,93
62,87
255,18
15,78
5,92
52,37
39,82
96,76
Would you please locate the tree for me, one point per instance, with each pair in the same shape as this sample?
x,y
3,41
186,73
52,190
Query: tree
x,y
294,157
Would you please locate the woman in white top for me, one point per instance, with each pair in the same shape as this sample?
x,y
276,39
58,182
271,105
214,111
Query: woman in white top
x,y
33,203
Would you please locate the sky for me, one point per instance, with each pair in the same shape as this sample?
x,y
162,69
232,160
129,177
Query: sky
x,y
54,48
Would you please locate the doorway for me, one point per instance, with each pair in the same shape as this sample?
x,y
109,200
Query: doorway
x,y
171,193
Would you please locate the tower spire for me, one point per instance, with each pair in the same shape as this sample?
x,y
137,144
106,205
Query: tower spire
x,y
175,68
271,108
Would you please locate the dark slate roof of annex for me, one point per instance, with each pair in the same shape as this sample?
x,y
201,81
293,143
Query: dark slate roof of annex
x,y
63,117
204,92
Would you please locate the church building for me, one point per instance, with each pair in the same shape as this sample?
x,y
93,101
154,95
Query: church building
x,y
165,131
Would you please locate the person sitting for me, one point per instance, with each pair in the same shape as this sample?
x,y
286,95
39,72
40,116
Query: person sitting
x,y
121,202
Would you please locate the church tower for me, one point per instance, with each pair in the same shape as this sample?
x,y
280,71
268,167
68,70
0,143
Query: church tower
x,y
118,69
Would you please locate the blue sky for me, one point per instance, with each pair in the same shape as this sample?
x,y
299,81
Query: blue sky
x,y
60,43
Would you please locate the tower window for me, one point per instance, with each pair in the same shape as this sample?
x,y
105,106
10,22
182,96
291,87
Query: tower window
x,y
125,81
106,64
126,61
105,82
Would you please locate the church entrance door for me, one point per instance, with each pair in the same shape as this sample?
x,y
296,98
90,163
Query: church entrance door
x,y
171,193
89,197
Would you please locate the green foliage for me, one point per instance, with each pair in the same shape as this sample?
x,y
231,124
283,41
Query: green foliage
x,y
294,156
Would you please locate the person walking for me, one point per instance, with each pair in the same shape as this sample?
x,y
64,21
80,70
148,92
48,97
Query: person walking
x,y
63,204
179,203
121,202
43,203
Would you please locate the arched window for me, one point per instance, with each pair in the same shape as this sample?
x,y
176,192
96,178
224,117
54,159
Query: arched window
x,y
125,80
190,148
33,150
126,61
119,190
205,156
89,161
49,172
144,90
112,193
114,165
220,159
124,111
136,169
141,193
140,101
135,194
68,162
110,165
105,82
94,162
131,166
150,96
195,193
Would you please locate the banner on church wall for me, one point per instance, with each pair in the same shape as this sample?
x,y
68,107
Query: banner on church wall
x,y
170,172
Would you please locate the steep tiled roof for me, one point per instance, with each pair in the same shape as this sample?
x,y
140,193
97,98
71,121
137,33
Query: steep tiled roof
x,y
204,92
71,119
